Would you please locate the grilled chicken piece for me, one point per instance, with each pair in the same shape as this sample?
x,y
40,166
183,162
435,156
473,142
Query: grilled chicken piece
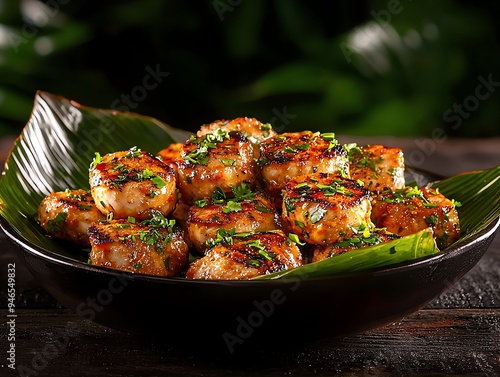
x,y
410,210
378,167
217,160
132,183
136,247
68,214
363,237
255,213
253,129
247,256
171,156
290,155
324,208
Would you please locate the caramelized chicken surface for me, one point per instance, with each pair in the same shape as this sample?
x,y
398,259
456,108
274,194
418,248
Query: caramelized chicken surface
x,y
364,236
252,128
324,208
140,248
246,201
378,167
68,214
132,183
290,155
410,210
244,256
172,156
253,213
216,160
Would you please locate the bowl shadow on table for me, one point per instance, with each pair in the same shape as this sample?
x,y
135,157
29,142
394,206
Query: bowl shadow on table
x,y
230,319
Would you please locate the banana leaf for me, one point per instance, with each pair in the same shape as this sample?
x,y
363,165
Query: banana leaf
x,y
479,196
54,151
407,248
60,140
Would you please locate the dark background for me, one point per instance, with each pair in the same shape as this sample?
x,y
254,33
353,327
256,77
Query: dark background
x,y
402,68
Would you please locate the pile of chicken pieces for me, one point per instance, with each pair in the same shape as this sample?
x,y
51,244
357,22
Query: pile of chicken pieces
x,y
238,200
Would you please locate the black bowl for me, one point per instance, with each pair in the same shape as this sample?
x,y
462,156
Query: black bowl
x,y
54,151
234,314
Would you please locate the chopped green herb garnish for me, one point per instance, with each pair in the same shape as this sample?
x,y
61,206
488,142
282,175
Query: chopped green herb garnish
x,y
232,206
302,147
294,238
328,136
242,192
133,152
119,167
262,208
222,236
254,262
431,220
71,195
266,128
55,225
289,206
97,160
366,162
262,161
159,221
300,224
145,174
201,203
122,226
153,237
344,171
159,182
302,184
429,205
228,161
334,188
199,155
218,196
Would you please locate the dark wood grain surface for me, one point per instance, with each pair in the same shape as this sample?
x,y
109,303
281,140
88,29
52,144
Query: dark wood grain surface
x,y
457,334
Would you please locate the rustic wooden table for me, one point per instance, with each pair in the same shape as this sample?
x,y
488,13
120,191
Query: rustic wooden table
x,y
456,334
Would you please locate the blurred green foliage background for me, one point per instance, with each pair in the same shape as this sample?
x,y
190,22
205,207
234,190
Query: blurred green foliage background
x,y
403,68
